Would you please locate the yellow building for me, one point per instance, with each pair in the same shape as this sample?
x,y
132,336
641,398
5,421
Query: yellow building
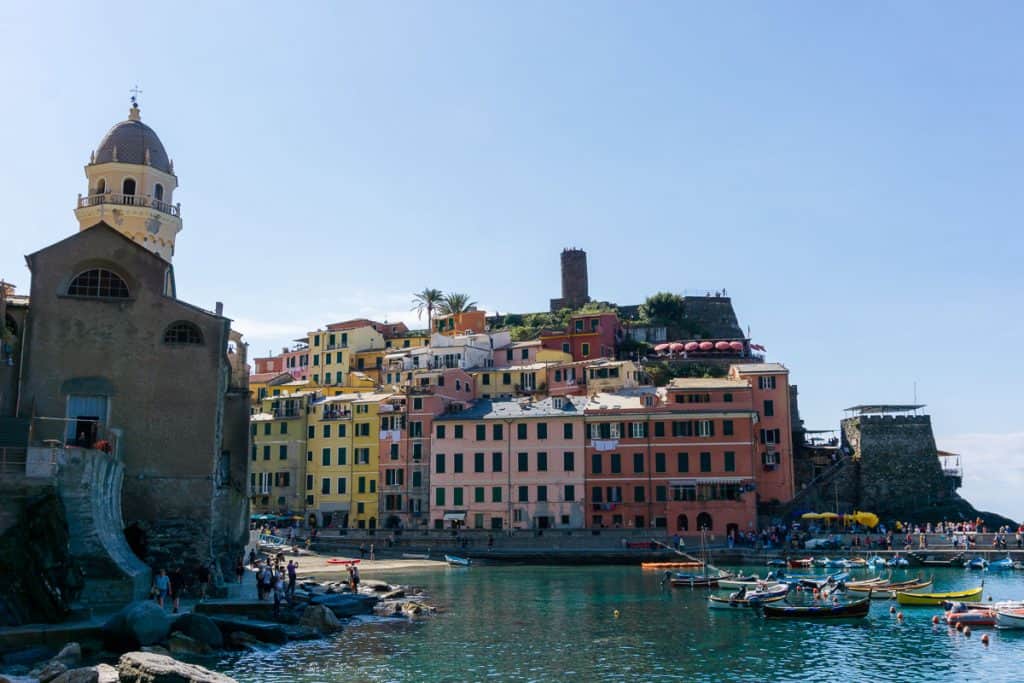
x,y
277,467
343,460
261,386
369,363
509,381
331,350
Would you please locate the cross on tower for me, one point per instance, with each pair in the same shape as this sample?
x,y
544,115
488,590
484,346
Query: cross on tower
x,y
135,92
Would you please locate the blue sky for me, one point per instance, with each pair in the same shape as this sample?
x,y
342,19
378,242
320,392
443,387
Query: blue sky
x,y
850,172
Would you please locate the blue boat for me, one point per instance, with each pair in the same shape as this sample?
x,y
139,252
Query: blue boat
x,y
976,563
1004,563
877,561
456,561
898,561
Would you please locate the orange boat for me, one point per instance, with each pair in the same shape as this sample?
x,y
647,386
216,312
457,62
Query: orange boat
x,y
671,565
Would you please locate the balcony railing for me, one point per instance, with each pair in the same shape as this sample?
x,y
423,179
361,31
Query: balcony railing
x,y
130,200
287,414
336,415
58,432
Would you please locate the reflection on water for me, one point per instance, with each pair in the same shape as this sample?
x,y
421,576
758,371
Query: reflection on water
x,y
541,623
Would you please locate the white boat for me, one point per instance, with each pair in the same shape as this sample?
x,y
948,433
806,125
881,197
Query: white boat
x,y
749,598
740,582
1009,617
456,561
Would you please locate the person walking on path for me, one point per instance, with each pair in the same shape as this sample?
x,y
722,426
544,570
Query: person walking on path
x,y
162,586
278,589
371,551
203,573
292,577
240,568
177,587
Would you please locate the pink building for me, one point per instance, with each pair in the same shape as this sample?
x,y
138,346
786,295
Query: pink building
x,y
587,336
406,425
295,362
509,464
517,353
769,385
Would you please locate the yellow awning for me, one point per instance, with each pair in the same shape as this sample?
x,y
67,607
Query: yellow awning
x,y
810,515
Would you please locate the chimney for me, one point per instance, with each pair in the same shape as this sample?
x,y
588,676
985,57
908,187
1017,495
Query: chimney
x,y
219,308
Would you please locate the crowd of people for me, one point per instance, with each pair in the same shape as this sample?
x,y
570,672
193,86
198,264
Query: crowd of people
x,y
169,588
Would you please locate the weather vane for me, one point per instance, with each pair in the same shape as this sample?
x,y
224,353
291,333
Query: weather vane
x,y
135,93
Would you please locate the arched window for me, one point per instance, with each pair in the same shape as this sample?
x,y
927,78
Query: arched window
x,y
682,523
158,192
183,332
704,521
128,187
98,283
101,186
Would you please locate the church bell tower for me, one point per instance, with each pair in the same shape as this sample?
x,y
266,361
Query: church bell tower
x,y
131,187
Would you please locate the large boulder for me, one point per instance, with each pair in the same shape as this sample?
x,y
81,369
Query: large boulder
x,y
140,623
146,667
320,618
101,673
48,671
180,644
70,655
201,628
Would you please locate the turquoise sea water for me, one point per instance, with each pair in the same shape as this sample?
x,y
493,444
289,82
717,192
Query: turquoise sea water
x,y
557,623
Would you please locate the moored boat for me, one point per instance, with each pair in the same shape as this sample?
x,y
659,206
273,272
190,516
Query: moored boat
x,y
1010,618
856,609
688,564
883,592
898,561
740,581
976,563
911,598
959,613
684,580
456,561
1003,563
747,598
800,563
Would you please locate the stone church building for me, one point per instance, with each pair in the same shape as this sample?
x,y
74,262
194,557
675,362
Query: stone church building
x,y
111,362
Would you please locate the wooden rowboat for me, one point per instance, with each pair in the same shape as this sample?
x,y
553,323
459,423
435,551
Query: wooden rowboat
x,y
857,609
692,564
909,598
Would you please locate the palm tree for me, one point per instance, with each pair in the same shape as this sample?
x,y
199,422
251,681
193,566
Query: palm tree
x,y
455,302
427,300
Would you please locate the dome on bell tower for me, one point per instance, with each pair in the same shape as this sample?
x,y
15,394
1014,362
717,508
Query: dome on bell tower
x,y
129,142
131,187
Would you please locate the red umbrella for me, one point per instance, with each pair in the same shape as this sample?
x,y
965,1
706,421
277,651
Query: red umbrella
x,y
676,347
722,346
736,346
661,347
706,346
692,346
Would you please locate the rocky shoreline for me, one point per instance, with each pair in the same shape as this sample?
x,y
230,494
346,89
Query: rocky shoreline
x,y
151,646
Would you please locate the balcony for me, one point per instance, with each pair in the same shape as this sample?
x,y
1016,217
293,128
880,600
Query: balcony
x,y
336,415
130,200
287,413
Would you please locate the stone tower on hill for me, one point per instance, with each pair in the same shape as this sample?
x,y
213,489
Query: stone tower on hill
x,y
575,288
131,187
